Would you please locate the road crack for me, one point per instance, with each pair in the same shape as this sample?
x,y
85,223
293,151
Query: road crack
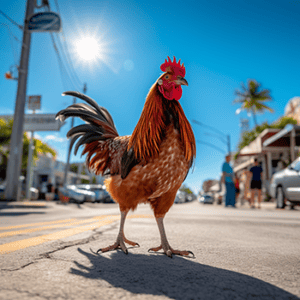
x,y
63,245
31,295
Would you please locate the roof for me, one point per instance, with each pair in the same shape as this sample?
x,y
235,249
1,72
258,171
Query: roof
x,y
256,146
284,133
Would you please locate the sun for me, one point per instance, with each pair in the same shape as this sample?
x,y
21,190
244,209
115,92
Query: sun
x,y
88,49
92,50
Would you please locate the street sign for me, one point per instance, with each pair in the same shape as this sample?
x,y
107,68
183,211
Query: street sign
x,y
39,122
44,21
34,102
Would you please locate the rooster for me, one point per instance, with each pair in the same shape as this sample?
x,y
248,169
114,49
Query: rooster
x,y
150,165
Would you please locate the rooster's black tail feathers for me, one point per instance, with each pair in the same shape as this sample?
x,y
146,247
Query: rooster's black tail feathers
x,y
99,123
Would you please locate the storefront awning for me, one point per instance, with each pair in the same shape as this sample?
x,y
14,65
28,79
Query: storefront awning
x,y
283,136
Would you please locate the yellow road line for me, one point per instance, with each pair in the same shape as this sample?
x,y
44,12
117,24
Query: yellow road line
x,y
18,245
36,224
33,203
11,233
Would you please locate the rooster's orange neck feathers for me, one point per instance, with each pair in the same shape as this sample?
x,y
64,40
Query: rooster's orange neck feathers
x,y
148,133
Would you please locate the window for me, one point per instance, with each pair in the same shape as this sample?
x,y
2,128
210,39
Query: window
x,y
297,166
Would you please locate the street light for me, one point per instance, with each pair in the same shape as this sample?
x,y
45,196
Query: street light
x,y
220,135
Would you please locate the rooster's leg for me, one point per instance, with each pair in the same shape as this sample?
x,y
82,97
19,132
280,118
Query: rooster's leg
x,y
121,240
165,244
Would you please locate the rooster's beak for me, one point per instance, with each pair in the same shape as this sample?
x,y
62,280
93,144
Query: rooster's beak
x,y
181,81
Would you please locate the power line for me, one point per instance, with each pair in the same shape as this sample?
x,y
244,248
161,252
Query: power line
x,y
209,127
211,145
11,20
68,61
62,68
66,50
11,42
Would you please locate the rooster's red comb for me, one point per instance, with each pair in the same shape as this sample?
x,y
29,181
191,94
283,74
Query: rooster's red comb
x,y
173,66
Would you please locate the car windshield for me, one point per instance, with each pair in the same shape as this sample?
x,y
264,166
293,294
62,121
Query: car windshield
x,y
294,163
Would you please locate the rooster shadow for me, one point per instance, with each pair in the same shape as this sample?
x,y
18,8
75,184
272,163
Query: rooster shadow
x,y
177,278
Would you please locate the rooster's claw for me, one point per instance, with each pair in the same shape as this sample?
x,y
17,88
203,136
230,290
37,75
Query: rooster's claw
x,y
169,252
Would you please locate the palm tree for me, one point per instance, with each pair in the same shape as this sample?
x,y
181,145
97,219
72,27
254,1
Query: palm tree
x,y
252,98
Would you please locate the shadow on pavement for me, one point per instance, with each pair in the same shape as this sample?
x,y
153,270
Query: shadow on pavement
x,y
15,214
177,278
19,206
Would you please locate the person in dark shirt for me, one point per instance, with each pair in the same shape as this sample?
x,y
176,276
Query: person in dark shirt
x,y
50,188
256,171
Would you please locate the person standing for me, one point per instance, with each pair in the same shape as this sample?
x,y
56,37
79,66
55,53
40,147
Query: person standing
x,y
228,179
237,187
256,183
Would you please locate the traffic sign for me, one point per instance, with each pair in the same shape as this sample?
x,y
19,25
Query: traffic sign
x,y
44,21
34,102
39,122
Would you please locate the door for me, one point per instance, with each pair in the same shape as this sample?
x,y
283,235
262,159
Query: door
x,y
292,181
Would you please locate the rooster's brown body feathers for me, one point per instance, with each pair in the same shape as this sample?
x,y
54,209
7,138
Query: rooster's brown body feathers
x,y
148,166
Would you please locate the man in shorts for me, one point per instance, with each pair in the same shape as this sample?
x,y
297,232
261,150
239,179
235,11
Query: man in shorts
x,y
255,185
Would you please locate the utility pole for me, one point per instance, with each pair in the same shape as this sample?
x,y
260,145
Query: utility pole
x,y
16,145
69,152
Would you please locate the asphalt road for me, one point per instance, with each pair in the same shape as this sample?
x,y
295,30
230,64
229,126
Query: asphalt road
x,y
46,252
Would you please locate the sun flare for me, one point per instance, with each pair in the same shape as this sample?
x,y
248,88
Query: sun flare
x,y
88,48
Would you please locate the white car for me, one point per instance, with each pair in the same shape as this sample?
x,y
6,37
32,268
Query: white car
x,y
80,195
285,185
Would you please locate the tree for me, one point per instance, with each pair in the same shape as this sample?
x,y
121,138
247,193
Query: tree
x,y
5,135
252,99
185,189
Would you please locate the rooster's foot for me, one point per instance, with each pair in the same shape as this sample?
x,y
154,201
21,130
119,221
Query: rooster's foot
x,y
119,244
169,251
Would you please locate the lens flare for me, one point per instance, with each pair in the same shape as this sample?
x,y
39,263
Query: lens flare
x,y
88,48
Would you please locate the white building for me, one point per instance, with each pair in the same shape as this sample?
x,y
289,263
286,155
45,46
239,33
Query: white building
x,y
48,169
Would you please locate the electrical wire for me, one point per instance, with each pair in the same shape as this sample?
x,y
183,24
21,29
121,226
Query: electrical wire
x,y
11,20
64,47
63,71
68,61
66,68
11,36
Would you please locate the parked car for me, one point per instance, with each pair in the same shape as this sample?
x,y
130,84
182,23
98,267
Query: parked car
x,y
219,196
180,197
206,199
100,192
285,185
79,195
89,196
34,193
190,197
2,191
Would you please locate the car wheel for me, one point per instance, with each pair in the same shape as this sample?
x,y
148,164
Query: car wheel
x,y
280,198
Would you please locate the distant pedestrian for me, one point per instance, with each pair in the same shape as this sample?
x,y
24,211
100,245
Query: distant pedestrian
x,y
50,187
228,179
56,197
237,187
50,191
43,190
256,183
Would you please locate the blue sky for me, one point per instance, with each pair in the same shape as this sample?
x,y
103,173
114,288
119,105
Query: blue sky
x,y
222,44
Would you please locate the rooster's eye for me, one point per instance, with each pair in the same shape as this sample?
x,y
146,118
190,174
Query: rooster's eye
x,y
167,76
